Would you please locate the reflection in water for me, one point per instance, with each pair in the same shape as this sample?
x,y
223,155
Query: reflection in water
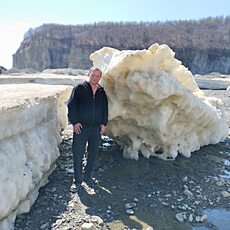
x,y
199,228
226,173
220,218
158,218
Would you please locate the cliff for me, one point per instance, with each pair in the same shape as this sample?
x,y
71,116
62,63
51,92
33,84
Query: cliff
x,y
202,46
205,61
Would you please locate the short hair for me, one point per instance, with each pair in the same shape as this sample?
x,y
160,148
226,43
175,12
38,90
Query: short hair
x,y
95,68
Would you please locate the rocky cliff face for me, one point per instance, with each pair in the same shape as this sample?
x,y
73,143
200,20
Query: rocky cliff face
x,y
40,54
204,61
79,57
59,46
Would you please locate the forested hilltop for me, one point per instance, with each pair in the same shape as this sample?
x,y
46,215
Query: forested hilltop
x,y
202,45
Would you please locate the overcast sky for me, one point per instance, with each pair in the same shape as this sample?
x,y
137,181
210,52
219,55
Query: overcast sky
x,y
17,16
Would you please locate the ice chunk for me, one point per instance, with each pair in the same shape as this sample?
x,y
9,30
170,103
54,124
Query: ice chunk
x,y
155,105
31,117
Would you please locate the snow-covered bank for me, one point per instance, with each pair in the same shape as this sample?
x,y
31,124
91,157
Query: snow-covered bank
x,y
42,78
213,81
31,117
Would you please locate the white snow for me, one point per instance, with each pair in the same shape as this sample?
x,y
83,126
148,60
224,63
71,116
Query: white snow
x,y
46,77
31,117
155,105
213,81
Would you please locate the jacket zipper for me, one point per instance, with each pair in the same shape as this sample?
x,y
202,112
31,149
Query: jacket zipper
x,y
93,105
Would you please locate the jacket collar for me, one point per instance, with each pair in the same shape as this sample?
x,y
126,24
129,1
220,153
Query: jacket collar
x,y
99,86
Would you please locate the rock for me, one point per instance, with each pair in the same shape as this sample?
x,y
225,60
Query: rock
x,y
2,69
225,194
180,199
44,226
190,218
168,195
185,186
185,179
97,220
188,193
220,183
130,205
165,204
180,217
182,207
108,211
203,218
64,54
101,170
87,226
149,228
60,46
130,211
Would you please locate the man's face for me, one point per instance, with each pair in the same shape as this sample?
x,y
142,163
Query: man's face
x,y
94,77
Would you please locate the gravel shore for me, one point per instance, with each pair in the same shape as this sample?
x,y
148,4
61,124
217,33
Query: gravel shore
x,y
188,193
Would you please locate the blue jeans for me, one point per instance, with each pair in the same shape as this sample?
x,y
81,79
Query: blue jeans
x,y
90,134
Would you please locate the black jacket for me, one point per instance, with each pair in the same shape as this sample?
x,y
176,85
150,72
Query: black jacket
x,y
86,108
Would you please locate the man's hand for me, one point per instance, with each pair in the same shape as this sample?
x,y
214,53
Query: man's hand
x,y
103,128
77,128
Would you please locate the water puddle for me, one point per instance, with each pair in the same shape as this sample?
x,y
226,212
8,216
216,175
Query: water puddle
x,y
200,228
220,218
157,218
165,219
225,172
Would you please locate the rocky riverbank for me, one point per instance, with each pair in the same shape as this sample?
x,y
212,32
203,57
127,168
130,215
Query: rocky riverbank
x,y
188,193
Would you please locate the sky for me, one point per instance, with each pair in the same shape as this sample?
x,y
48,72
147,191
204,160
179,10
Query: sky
x,y
17,16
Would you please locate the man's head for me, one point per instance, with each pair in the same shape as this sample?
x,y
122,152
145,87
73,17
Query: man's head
x,y
94,75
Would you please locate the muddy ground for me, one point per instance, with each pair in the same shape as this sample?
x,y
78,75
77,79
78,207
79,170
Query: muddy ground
x,y
188,193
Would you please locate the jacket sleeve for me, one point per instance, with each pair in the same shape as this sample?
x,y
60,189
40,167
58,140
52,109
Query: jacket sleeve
x,y
72,106
105,110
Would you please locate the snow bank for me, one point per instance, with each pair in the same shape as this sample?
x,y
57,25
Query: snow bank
x,y
155,105
31,117
213,81
47,77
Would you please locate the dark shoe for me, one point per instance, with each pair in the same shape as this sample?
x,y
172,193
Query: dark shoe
x,y
76,187
91,181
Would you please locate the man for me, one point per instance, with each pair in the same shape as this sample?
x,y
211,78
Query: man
x,y
88,113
